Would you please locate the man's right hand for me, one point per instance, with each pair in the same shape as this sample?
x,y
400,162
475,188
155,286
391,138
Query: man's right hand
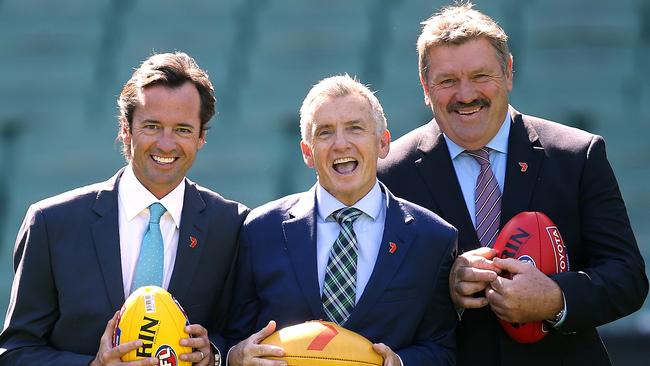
x,y
109,355
471,273
250,351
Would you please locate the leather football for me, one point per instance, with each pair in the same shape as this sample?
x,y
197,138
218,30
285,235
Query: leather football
x,y
152,315
319,343
533,238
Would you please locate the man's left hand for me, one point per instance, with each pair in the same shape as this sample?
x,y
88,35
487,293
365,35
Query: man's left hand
x,y
199,341
529,296
390,357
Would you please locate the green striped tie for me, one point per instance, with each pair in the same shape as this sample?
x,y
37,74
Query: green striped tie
x,y
341,273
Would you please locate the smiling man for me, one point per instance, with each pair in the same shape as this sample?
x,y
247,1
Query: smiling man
x,y
80,254
480,162
347,250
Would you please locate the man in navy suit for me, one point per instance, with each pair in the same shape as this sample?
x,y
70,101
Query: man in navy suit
x,y
76,254
398,293
466,72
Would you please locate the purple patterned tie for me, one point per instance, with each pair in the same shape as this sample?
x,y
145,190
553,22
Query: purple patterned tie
x,y
488,199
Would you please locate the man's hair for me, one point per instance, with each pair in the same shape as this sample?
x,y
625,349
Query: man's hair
x,y
170,70
338,86
455,25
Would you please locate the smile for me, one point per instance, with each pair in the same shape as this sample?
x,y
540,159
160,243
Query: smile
x,y
345,165
162,159
468,112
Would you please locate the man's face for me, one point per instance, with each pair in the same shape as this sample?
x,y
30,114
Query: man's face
x,y
345,146
467,91
165,136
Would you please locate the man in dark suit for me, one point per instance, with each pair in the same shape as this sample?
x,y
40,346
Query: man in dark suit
x,y
532,165
77,254
288,270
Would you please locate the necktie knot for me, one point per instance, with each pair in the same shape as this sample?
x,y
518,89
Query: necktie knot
x,y
346,215
156,210
482,156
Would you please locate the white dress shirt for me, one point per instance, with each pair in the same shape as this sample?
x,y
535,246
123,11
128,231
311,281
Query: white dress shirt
x,y
369,229
133,211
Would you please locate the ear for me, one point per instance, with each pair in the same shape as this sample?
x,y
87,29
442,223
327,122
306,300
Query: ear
x,y
425,89
384,144
202,140
307,154
125,134
509,72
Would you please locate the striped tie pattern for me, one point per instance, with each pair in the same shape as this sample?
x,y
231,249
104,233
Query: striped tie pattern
x,y
149,268
339,289
488,199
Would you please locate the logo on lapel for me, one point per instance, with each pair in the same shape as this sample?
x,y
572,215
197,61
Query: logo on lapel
x,y
392,247
524,166
193,242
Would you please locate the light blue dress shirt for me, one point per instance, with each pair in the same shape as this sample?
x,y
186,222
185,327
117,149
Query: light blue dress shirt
x,y
467,168
369,230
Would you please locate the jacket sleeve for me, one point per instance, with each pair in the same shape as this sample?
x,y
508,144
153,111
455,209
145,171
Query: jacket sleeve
x,y
33,306
611,281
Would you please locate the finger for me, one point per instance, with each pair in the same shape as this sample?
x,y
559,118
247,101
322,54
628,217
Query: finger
x,y
512,265
263,350
381,348
470,302
196,330
195,357
471,274
485,252
500,284
264,332
464,288
195,342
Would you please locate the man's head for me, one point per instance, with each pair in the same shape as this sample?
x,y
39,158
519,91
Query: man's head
x,y
343,130
164,111
466,73
167,69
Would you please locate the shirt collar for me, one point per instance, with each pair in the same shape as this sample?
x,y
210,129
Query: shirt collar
x,y
498,143
135,197
370,204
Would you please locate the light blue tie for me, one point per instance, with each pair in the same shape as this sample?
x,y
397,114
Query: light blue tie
x,y
149,269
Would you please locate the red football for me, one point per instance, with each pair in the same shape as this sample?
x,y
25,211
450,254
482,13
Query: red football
x,y
532,237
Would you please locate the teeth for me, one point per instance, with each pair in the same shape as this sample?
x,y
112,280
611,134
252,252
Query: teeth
x,y
162,160
343,160
469,112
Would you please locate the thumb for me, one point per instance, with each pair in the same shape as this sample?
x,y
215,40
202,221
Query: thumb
x,y
381,348
265,332
485,252
512,265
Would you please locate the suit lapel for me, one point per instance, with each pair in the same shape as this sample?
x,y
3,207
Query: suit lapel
x,y
192,236
525,158
398,230
300,238
106,237
438,173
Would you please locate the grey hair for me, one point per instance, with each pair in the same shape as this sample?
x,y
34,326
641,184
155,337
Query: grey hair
x,y
338,86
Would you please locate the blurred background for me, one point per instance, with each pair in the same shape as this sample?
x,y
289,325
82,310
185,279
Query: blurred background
x,y
580,62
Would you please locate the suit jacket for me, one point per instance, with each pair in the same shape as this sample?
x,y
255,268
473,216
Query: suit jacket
x,y
569,179
68,280
405,304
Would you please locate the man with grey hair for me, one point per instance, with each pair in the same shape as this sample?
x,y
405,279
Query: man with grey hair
x,y
347,250
478,143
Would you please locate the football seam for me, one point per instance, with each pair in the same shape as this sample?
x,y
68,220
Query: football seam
x,y
332,358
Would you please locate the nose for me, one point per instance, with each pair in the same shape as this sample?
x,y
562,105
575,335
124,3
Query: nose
x,y
340,139
166,140
466,92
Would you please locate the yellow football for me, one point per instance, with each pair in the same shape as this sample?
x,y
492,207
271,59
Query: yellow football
x,y
318,343
152,315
